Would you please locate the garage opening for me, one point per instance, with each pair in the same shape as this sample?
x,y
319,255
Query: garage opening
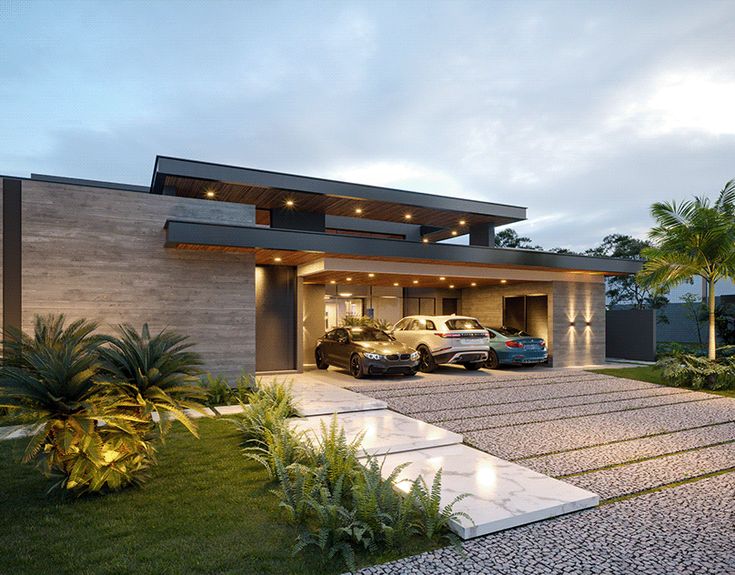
x,y
275,318
529,313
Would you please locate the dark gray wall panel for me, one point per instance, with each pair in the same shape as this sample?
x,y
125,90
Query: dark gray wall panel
x,y
631,334
275,318
12,267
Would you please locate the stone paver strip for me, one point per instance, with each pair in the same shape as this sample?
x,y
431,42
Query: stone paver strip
x,y
489,422
473,398
540,404
685,530
635,477
521,441
630,450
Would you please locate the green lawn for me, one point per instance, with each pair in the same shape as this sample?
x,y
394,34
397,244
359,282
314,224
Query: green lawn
x,y
205,510
652,375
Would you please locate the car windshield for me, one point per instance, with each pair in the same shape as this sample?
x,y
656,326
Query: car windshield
x,y
510,331
463,323
369,334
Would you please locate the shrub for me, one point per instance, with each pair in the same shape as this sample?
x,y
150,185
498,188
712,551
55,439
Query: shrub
x,y
159,372
697,372
350,320
266,409
55,375
219,391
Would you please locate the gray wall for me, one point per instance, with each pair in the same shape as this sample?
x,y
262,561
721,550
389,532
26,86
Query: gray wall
x,y
631,334
312,320
275,318
98,253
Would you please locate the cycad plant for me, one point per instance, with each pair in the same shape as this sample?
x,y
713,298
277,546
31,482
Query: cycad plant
x,y
693,238
85,437
160,372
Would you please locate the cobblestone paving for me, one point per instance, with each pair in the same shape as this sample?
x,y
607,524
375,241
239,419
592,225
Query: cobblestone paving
x,y
643,475
489,422
685,530
629,450
522,441
539,404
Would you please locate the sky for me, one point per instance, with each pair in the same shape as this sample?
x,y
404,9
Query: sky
x,y
584,112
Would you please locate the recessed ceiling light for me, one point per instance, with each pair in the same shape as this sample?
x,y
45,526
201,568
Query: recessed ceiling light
x,y
473,284
358,210
503,281
395,284
332,282
415,281
407,216
425,240
442,278
462,222
349,279
454,232
451,286
277,259
210,194
345,294
289,203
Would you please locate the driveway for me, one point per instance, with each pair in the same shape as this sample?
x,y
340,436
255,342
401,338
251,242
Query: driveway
x,y
662,459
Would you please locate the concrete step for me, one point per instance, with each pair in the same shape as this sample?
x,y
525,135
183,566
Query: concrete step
x,y
502,494
314,398
384,431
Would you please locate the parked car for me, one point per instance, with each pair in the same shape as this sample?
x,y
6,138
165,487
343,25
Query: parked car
x,y
444,339
365,351
510,346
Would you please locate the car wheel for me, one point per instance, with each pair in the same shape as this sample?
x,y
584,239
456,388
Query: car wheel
x,y
473,366
413,372
356,367
492,360
426,360
320,363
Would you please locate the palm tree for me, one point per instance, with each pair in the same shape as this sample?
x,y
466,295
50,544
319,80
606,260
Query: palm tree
x,y
692,238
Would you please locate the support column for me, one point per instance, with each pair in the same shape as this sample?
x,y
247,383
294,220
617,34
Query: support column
x,y
12,278
482,235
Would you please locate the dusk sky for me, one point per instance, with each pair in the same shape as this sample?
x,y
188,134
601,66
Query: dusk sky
x,y
585,112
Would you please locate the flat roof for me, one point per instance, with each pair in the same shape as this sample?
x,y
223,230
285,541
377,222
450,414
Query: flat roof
x,y
269,190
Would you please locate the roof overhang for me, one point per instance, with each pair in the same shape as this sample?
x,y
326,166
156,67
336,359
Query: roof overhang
x,y
189,234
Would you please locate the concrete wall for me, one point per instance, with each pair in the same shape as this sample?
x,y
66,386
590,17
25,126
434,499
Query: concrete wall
x,y
98,253
312,320
579,302
578,345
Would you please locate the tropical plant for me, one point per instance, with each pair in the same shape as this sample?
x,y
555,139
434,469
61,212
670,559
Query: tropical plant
x,y
687,370
266,410
160,371
433,517
218,390
86,438
693,238
350,320
280,445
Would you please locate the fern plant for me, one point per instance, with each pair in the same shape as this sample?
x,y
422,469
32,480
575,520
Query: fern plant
x,y
160,371
433,518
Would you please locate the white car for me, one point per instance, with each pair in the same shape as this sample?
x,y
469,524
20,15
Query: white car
x,y
444,339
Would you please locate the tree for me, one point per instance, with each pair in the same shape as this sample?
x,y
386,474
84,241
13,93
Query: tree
x,y
692,238
509,238
626,290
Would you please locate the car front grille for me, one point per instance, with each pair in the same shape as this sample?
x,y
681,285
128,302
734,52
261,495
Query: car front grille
x,y
392,357
405,356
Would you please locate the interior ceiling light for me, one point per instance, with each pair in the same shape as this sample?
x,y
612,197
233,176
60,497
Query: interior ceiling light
x,y
462,222
454,232
210,194
415,281
473,284
451,286
345,294
277,259
503,281
332,282
395,284
371,275
289,203
442,278
358,210
349,279
407,216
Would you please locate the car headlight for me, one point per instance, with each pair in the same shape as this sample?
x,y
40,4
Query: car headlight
x,y
374,356
415,355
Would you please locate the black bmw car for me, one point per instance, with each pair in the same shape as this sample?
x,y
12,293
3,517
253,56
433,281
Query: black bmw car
x,y
365,351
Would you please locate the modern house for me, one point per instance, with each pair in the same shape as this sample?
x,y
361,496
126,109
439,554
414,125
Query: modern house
x,y
255,265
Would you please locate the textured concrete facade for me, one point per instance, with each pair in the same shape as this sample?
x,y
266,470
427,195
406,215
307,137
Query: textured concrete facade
x,y
567,301
98,253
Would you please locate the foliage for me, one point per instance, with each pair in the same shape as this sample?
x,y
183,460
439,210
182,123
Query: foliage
x,y
266,409
697,372
86,438
159,371
509,238
343,505
351,320
725,323
692,238
219,391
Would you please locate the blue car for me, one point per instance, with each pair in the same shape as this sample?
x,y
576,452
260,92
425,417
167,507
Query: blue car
x,y
510,346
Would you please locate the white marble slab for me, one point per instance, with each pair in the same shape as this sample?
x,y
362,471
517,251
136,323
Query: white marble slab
x,y
502,494
384,431
314,398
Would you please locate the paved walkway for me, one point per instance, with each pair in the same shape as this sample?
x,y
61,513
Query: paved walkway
x,y
662,458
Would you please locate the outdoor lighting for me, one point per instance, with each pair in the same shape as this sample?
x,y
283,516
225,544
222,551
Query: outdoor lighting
x,y
395,284
425,240
289,203
277,259
371,275
210,194
454,232
332,282
442,278
358,210
451,286
462,222
349,279
473,284
407,216
503,281
345,294
415,281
